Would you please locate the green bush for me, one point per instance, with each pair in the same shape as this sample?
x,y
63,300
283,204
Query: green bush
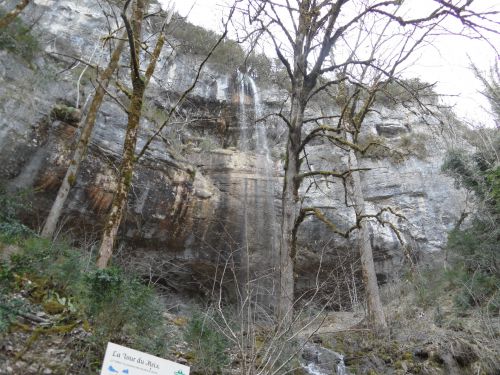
x,y
17,38
229,55
196,40
479,289
11,205
122,308
57,262
475,271
10,308
208,344
116,306
428,285
474,248
415,144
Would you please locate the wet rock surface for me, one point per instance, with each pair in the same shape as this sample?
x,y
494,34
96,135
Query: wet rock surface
x,y
194,189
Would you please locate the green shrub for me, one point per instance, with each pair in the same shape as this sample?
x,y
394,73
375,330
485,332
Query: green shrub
x,y
229,55
10,308
479,289
17,38
117,306
56,262
474,248
207,144
196,40
11,205
414,144
122,308
475,272
493,180
429,285
208,344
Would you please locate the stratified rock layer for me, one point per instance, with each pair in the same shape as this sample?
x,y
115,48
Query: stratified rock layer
x,y
200,207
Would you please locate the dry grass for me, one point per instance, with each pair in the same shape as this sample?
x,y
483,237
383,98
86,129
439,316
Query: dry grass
x,y
50,180
468,342
100,199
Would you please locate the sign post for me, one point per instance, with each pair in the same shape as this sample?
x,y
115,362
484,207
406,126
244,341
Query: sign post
x,y
120,360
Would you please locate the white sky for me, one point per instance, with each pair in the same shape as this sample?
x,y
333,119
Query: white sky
x,y
446,62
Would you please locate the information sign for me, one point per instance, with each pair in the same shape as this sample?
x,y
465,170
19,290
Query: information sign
x,y
120,360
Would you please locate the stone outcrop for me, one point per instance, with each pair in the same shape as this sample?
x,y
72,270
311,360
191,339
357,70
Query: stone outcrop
x,y
198,203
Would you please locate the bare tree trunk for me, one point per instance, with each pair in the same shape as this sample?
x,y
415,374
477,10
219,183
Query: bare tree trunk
x,y
376,315
125,180
11,16
81,148
286,252
291,211
134,115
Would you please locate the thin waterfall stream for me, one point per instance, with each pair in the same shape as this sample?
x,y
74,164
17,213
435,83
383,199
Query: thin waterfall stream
x,y
317,360
259,214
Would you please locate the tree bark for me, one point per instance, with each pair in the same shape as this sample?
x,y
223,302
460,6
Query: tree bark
x,y
134,115
301,88
291,210
11,16
376,316
82,145
126,172
287,245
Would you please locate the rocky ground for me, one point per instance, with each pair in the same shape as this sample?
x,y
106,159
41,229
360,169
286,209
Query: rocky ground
x,y
419,341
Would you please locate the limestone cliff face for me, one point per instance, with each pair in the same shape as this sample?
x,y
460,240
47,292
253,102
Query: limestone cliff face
x,y
200,201
408,180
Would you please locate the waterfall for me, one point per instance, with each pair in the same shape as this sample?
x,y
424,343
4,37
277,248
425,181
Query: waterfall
x,y
341,370
259,214
259,232
243,92
314,369
264,159
318,360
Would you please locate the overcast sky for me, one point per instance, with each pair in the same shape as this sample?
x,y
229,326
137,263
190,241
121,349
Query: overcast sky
x,y
446,62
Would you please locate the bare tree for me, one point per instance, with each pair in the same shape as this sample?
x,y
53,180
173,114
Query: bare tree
x,y
265,345
81,147
139,84
311,39
134,37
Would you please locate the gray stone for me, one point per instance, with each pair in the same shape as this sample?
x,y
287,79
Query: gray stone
x,y
196,197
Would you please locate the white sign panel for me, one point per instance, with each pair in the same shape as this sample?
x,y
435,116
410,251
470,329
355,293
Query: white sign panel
x,y
120,360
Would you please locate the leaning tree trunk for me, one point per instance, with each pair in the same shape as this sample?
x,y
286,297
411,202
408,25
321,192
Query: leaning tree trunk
x,y
134,115
82,145
376,315
126,171
11,16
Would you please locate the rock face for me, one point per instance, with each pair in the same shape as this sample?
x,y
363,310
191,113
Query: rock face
x,y
409,181
201,205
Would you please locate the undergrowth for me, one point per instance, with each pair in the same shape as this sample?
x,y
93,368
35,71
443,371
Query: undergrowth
x,y
209,346
109,305
113,306
11,229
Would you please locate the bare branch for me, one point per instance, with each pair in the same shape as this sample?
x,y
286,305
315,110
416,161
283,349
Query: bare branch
x,y
187,91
